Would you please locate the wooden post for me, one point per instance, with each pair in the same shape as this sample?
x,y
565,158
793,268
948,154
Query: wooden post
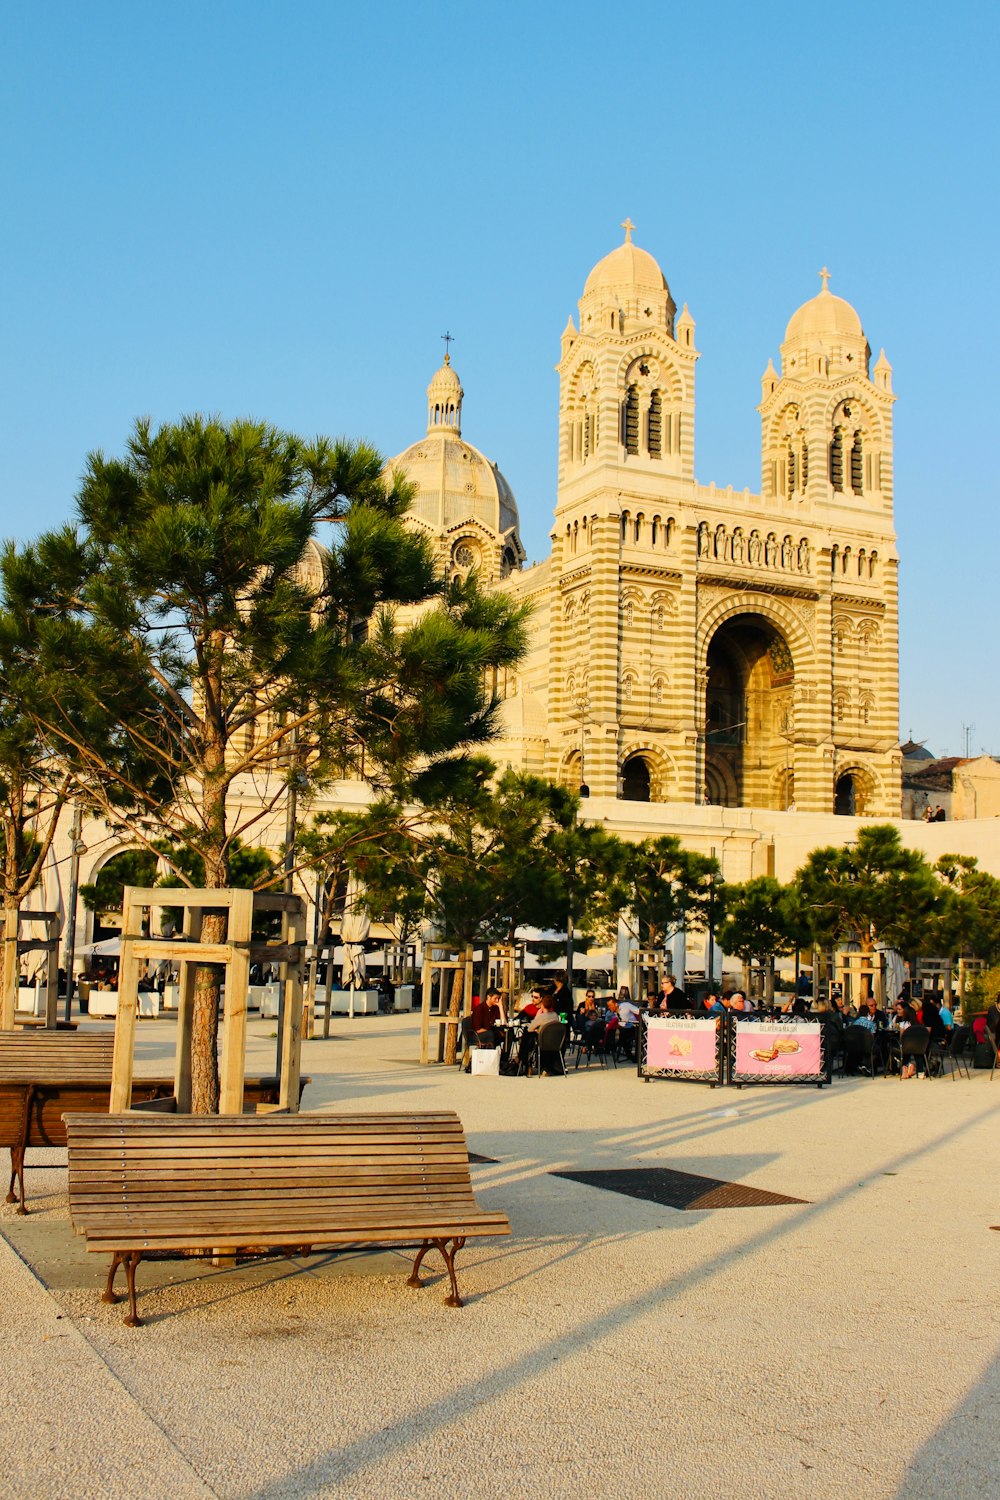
x,y
193,917
128,1004
291,1043
234,1013
8,1000
52,925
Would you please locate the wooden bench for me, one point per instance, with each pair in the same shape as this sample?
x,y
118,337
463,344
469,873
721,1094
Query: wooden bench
x,y
45,1075
146,1183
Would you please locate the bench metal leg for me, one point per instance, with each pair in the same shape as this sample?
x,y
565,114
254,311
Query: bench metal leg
x,y
17,1176
130,1260
448,1256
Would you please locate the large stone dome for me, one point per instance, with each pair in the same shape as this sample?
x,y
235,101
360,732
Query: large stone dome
x,y
824,314
625,268
455,483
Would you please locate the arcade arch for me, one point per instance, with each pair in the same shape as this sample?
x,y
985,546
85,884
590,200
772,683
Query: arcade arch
x,y
749,705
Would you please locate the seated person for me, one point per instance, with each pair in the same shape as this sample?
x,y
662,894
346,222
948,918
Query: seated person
x,y
585,1012
528,1006
546,1015
711,1005
628,1013
485,1017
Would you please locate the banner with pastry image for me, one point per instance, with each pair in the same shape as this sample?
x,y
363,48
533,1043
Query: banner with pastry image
x,y
787,1051
681,1046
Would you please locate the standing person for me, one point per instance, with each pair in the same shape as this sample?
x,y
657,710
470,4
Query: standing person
x,y
563,1000
672,997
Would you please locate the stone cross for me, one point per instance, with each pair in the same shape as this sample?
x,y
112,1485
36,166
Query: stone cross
x,y
628,227
824,277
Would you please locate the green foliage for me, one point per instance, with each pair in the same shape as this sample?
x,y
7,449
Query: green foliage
x,y
131,867
968,922
872,891
193,605
981,991
660,886
762,921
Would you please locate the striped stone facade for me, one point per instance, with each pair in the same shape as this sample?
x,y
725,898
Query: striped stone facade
x,y
695,644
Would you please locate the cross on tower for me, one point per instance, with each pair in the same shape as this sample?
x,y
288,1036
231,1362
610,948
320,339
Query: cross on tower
x,y
824,277
449,339
628,227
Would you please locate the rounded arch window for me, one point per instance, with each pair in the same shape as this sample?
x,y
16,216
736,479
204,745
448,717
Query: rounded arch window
x,y
636,780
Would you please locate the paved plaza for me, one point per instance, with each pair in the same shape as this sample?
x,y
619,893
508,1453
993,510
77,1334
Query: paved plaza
x,y
612,1347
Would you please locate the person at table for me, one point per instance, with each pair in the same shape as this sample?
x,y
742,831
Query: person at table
x,y
947,1017
585,1012
486,1018
628,1024
931,1018
712,1005
671,997
546,1015
528,1006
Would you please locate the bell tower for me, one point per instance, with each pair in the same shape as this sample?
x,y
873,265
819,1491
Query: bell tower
x,y
626,463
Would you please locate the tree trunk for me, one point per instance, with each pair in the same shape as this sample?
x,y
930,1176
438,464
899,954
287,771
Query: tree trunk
x,y
769,979
208,977
9,967
455,1011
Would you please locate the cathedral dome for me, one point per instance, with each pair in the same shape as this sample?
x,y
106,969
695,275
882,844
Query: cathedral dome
x,y
824,314
455,483
625,268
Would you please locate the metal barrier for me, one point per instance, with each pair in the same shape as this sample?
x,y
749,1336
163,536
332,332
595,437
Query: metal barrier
x,y
733,1049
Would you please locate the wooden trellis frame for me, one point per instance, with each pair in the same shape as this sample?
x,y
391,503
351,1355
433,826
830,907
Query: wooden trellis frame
x,y
853,969
505,970
640,961
235,954
49,945
438,960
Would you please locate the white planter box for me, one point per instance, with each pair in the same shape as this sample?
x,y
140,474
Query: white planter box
x,y
103,1003
404,997
268,998
149,1002
29,1000
365,1003
171,996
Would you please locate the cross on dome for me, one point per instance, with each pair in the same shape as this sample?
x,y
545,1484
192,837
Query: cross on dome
x,y
448,339
824,277
628,227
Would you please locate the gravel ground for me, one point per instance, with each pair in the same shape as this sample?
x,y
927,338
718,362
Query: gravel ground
x,y
610,1347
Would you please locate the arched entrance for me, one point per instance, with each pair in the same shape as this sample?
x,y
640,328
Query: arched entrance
x,y
845,797
749,740
636,780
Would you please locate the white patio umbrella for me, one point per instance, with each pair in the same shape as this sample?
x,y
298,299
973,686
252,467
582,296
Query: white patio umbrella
x,y
354,928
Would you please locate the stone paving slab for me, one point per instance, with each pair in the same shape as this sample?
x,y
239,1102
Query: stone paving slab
x,y
612,1346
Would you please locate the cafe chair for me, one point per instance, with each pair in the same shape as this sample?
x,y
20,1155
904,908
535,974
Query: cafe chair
x,y
955,1049
915,1044
591,1044
549,1049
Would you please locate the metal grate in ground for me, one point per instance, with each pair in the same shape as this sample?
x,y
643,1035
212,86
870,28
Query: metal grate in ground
x,y
681,1190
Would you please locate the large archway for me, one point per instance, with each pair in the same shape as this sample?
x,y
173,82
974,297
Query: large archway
x,y
749,740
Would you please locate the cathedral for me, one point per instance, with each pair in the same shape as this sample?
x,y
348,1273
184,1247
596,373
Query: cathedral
x,y
692,644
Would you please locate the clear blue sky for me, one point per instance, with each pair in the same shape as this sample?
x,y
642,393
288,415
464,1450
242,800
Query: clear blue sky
x,y
253,208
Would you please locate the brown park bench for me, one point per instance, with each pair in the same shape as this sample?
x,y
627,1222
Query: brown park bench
x,y
43,1075
140,1184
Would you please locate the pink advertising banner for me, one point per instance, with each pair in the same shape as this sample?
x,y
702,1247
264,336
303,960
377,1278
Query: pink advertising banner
x,y
681,1046
789,1051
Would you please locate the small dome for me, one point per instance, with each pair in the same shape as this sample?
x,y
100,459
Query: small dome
x,y
445,381
824,314
626,267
